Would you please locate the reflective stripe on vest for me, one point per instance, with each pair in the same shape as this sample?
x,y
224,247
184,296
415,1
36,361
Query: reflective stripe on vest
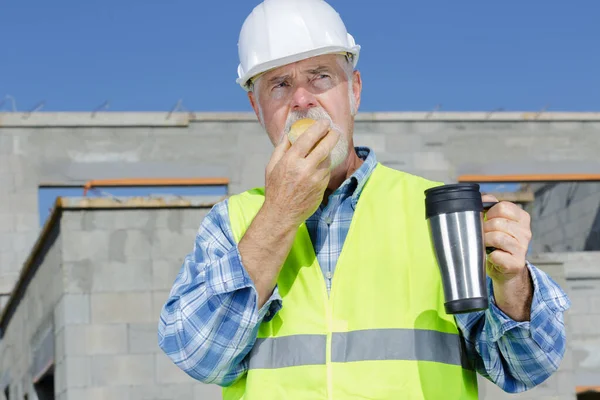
x,y
288,351
375,344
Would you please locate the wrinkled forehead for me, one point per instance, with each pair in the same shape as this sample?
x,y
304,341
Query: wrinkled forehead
x,y
327,62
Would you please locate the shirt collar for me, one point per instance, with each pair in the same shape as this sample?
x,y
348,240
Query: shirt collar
x,y
356,182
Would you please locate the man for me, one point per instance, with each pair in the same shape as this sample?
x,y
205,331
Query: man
x,y
323,284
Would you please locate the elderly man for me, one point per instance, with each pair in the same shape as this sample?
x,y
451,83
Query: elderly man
x,y
323,284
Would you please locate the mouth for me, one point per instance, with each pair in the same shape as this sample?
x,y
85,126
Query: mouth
x,y
312,113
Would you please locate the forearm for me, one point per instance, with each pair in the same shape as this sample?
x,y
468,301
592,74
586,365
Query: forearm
x,y
264,248
518,360
210,320
514,355
296,178
206,330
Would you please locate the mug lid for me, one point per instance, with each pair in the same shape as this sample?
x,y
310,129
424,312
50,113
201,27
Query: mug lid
x,y
453,197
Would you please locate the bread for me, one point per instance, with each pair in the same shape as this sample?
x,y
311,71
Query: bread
x,y
299,127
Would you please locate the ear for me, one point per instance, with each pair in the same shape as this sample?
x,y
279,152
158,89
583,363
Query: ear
x,y
356,89
254,104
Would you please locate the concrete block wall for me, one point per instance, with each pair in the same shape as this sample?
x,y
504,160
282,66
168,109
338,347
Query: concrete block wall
x,y
71,148
100,289
113,258
583,286
562,216
122,264
40,312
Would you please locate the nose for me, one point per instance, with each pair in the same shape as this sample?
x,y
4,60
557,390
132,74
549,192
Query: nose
x,y
303,99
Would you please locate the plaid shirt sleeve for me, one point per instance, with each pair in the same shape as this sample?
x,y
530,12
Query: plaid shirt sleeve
x,y
517,356
210,321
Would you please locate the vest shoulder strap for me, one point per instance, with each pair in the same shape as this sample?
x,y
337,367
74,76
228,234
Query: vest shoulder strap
x,y
392,176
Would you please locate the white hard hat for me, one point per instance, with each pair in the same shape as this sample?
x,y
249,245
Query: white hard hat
x,y
280,32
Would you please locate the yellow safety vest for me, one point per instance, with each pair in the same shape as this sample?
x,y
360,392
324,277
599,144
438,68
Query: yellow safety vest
x,y
382,333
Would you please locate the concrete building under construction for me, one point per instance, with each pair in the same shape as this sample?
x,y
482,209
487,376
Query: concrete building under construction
x,y
83,278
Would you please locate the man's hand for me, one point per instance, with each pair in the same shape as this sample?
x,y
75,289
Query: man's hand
x,y
296,178
297,175
508,229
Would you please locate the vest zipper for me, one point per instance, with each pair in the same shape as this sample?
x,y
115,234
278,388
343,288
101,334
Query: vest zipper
x,y
328,365
329,311
331,324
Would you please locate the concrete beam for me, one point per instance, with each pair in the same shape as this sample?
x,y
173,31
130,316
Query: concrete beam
x,y
515,197
72,203
530,167
140,119
106,119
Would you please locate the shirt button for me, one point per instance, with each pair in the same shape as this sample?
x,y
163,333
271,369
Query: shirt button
x,y
328,275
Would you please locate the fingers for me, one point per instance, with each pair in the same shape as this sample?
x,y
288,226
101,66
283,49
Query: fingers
x,y
303,145
510,227
323,149
508,210
325,164
488,198
279,152
322,173
504,242
504,263
507,228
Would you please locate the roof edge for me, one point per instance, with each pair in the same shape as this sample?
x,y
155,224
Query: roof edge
x,y
183,119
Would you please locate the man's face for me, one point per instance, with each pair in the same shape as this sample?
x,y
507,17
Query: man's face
x,y
316,88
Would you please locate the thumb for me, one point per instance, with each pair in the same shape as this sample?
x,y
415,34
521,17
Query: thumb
x,y
279,152
488,198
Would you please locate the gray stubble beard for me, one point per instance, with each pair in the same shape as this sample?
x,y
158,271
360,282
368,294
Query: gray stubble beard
x,y
340,151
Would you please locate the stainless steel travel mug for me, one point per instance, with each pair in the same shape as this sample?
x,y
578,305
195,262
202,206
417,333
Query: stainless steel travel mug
x,y
455,219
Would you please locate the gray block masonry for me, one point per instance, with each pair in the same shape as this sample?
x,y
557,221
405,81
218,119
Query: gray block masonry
x,y
68,307
86,310
72,148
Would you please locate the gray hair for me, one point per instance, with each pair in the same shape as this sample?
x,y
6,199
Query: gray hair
x,y
251,88
347,64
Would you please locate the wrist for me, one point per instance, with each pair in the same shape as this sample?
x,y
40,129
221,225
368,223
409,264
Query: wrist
x,y
514,295
278,218
277,222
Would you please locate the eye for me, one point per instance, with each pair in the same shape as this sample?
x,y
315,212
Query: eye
x,y
322,76
280,85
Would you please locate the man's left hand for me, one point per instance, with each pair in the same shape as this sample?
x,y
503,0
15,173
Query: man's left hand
x,y
508,229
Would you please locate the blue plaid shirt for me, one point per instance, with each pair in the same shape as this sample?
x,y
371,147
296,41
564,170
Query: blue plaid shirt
x,y
210,321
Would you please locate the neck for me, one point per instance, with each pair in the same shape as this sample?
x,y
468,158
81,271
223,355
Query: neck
x,y
343,172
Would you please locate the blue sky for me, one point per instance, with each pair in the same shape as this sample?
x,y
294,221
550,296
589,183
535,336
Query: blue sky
x,y
145,55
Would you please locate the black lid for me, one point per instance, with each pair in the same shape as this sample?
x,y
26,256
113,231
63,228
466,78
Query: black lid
x,y
454,197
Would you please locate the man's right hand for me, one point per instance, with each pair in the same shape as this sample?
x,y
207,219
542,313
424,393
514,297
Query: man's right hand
x,y
296,179
297,175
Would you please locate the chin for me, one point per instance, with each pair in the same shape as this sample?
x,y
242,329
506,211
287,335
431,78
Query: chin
x,y
339,163
339,154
